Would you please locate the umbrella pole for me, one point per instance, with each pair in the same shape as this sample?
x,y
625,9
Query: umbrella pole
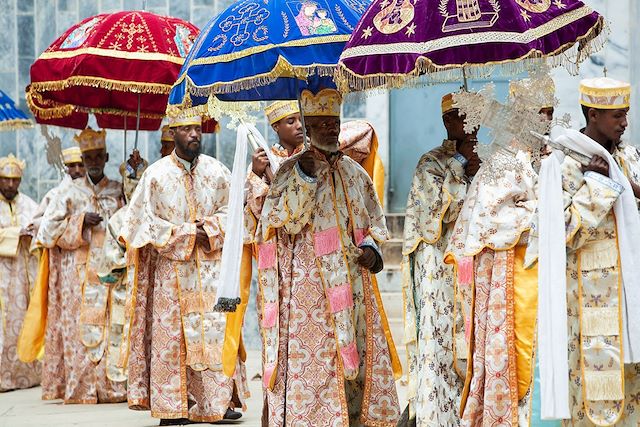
x,y
304,127
124,154
135,146
464,79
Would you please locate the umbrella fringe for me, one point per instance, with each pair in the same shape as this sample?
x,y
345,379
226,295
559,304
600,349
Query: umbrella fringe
x,y
16,124
282,69
427,73
47,109
102,83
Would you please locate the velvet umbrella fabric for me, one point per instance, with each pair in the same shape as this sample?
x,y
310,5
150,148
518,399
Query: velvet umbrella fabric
x,y
11,117
109,65
261,51
399,40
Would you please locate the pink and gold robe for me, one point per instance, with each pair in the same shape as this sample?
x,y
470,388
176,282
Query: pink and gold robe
x,y
187,336
603,391
53,383
328,357
83,299
496,296
437,193
18,270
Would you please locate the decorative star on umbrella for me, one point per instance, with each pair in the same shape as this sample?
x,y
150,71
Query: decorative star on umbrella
x,y
11,117
448,40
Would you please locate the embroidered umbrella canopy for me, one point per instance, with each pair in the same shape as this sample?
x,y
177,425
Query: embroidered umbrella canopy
x,y
398,40
113,65
11,117
266,50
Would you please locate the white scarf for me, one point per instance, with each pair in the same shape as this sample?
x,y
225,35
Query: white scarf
x,y
552,270
228,294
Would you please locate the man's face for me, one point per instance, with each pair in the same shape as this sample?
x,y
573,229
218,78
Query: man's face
x,y
289,130
75,170
166,148
547,113
454,123
610,123
94,162
9,187
188,139
324,132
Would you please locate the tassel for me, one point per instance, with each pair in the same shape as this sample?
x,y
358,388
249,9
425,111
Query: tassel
x,y
599,254
465,271
350,357
340,297
600,321
327,241
269,314
266,256
603,385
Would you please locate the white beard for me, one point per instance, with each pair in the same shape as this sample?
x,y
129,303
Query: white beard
x,y
329,148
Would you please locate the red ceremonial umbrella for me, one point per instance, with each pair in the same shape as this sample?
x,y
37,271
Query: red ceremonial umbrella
x,y
113,65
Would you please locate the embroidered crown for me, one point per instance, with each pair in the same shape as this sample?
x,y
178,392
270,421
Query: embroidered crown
x,y
447,103
605,93
281,109
90,139
184,120
325,103
71,155
10,167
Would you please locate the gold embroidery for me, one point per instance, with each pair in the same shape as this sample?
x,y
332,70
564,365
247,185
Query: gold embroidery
x,y
538,6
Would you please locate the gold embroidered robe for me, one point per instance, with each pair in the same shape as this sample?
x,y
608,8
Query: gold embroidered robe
x,y
187,336
84,315
496,296
17,274
328,357
603,391
435,199
46,312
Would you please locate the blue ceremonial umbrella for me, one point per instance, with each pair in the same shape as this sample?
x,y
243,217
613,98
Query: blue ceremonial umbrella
x,y
266,50
12,118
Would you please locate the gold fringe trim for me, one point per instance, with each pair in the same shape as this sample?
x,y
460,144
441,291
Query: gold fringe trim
x,y
102,83
426,72
16,124
47,109
599,254
282,69
603,385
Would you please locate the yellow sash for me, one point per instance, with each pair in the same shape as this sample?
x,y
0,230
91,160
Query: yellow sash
x,y
233,346
525,295
31,339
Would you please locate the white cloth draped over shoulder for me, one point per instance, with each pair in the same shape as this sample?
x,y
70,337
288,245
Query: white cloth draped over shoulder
x,y
552,265
229,291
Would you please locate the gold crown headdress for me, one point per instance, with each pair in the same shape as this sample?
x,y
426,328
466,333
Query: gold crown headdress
x,y
325,103
281,109
11,167
605,93
71,155
90,139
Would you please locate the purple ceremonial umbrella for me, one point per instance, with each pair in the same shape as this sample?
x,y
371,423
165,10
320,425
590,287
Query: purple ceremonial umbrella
x,y
398,40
